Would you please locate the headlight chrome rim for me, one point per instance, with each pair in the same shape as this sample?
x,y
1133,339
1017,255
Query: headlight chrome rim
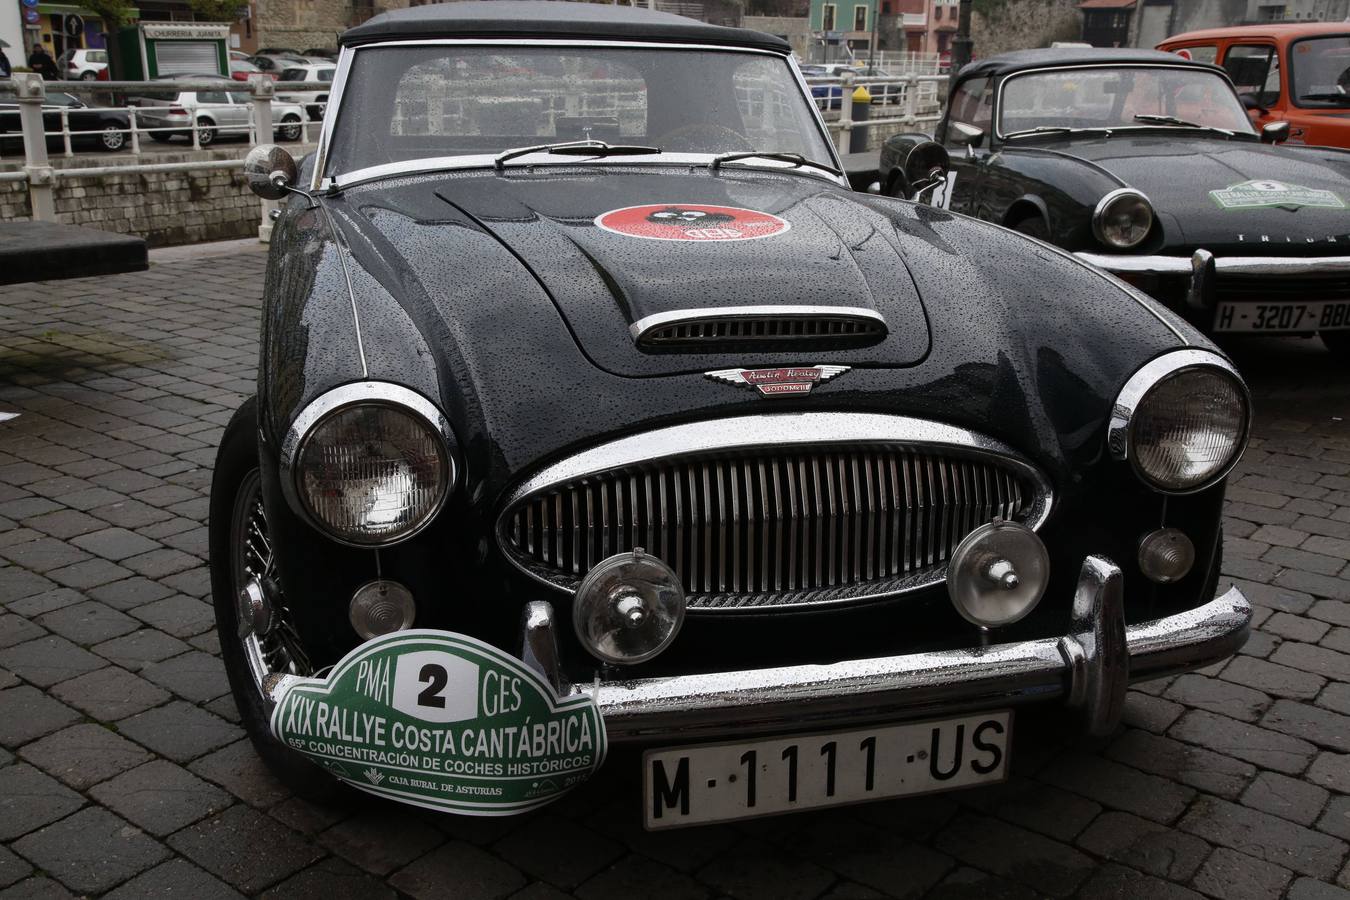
x,y
338,400
1105,204
1119,436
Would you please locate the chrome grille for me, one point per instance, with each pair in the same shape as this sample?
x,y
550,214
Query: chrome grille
x,y
759,325
769,527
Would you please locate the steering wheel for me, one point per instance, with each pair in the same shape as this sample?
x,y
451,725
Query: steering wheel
x,y
704,137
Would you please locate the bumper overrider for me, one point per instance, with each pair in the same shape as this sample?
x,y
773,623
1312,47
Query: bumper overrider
x,y
1088,669
1202,268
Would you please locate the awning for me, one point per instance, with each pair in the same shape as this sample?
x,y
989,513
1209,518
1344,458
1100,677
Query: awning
x,y
1106,4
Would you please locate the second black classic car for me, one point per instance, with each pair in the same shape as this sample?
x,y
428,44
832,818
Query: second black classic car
x,y
1146,165
102,129
593,406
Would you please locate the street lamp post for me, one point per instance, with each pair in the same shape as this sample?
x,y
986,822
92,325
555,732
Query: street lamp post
x,y
961,43
875,8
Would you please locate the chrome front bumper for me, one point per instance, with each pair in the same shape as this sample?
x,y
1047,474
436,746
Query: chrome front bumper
x,y
1089,669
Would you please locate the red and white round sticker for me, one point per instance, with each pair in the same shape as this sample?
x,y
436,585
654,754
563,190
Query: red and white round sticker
x,y
691,222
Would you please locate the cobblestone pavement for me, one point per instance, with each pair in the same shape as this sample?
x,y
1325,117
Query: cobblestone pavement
x,y
123,769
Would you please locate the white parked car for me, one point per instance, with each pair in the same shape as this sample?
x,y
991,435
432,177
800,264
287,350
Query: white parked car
x,y
217,114
82,65
314,102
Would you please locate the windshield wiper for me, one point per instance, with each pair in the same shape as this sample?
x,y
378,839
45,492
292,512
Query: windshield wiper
x,y
1327,97
574,148
795,158
1052,129
1173,120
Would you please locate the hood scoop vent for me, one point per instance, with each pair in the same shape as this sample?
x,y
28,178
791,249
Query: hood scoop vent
x,y
760,327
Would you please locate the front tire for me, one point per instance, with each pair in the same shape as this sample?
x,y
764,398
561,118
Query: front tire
x,y
241,549
112,138
290,128
206,132
1338,342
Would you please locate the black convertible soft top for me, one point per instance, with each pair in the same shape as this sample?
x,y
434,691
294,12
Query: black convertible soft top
x,y
1021,60
550,19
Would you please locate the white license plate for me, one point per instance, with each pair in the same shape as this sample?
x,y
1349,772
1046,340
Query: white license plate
x,y
713,783
1318,315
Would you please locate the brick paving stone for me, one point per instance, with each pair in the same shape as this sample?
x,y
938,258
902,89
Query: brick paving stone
x,y
332,879
207,642
115,543
1280,535
130,593
876,858
1230,875
27,713
91,851
88,623
1330,546
195,676
1275,596
383,839
1111,882
139,649
162,562
240,770
246,849
1148,846
1336,697
1295,628
1315,584
561,853
43,555
1289,798
1033,804
1338,639
991,845
110,693
1273,678
1264,836
965,883
1331,770
1121,787
16,630
12,868
29,799
160,797
83,755
180,616
1224,698
757,871
64,523
308,817
39,887
45,602
179,731
130,514
634,876
1150,713
192,582
1265,748
1311,658
475,874
176,878
88,574
1308,889
1337,612
16,584
1335,819
1320,726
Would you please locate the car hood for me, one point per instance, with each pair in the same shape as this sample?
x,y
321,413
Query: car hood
x,y
1226,195
809,244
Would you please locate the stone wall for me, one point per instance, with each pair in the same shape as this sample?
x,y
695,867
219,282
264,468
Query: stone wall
x,y
796,29
998,26
164,208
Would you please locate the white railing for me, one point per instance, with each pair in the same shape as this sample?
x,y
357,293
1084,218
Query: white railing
x,y
31,90
912,101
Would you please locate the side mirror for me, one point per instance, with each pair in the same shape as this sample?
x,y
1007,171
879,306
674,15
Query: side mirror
x,y
963,135
1275,133
271,171
1251,102
925,167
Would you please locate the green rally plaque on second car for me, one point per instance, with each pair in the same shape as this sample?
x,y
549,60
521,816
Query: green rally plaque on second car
x,y
444,721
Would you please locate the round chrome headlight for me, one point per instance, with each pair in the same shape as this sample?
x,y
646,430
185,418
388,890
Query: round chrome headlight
x,y
369,463
1122,219
1182,421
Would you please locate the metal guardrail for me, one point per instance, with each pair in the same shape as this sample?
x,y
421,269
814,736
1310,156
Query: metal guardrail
x,y
31,91
909,94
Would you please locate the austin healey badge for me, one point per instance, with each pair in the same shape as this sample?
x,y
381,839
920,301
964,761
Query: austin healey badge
x,y
779,382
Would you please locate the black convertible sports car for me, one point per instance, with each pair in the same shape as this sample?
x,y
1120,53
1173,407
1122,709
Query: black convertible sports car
x,y
593,406
1146,165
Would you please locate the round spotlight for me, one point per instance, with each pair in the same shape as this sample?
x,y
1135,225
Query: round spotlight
x,y
998,574
628,608
1166,555
381,607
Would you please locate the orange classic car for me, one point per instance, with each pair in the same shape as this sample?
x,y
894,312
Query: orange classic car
x,y
1297,72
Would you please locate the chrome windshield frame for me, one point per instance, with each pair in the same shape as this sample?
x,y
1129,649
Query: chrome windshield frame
x,y
322,180
1188,67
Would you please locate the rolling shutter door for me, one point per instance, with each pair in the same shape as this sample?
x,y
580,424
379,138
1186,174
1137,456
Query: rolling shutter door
x,y
187,57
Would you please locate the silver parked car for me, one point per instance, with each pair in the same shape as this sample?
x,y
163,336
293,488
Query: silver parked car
x,y
217,114
314,102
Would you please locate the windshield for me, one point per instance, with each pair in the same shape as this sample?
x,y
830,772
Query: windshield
x,y
424,102
1113,97
1320,69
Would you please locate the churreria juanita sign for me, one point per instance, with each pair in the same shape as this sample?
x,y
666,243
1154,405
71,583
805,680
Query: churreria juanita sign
x,y
445,721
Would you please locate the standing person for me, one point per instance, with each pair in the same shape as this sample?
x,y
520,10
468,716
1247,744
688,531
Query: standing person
x,y
5,68
41,61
